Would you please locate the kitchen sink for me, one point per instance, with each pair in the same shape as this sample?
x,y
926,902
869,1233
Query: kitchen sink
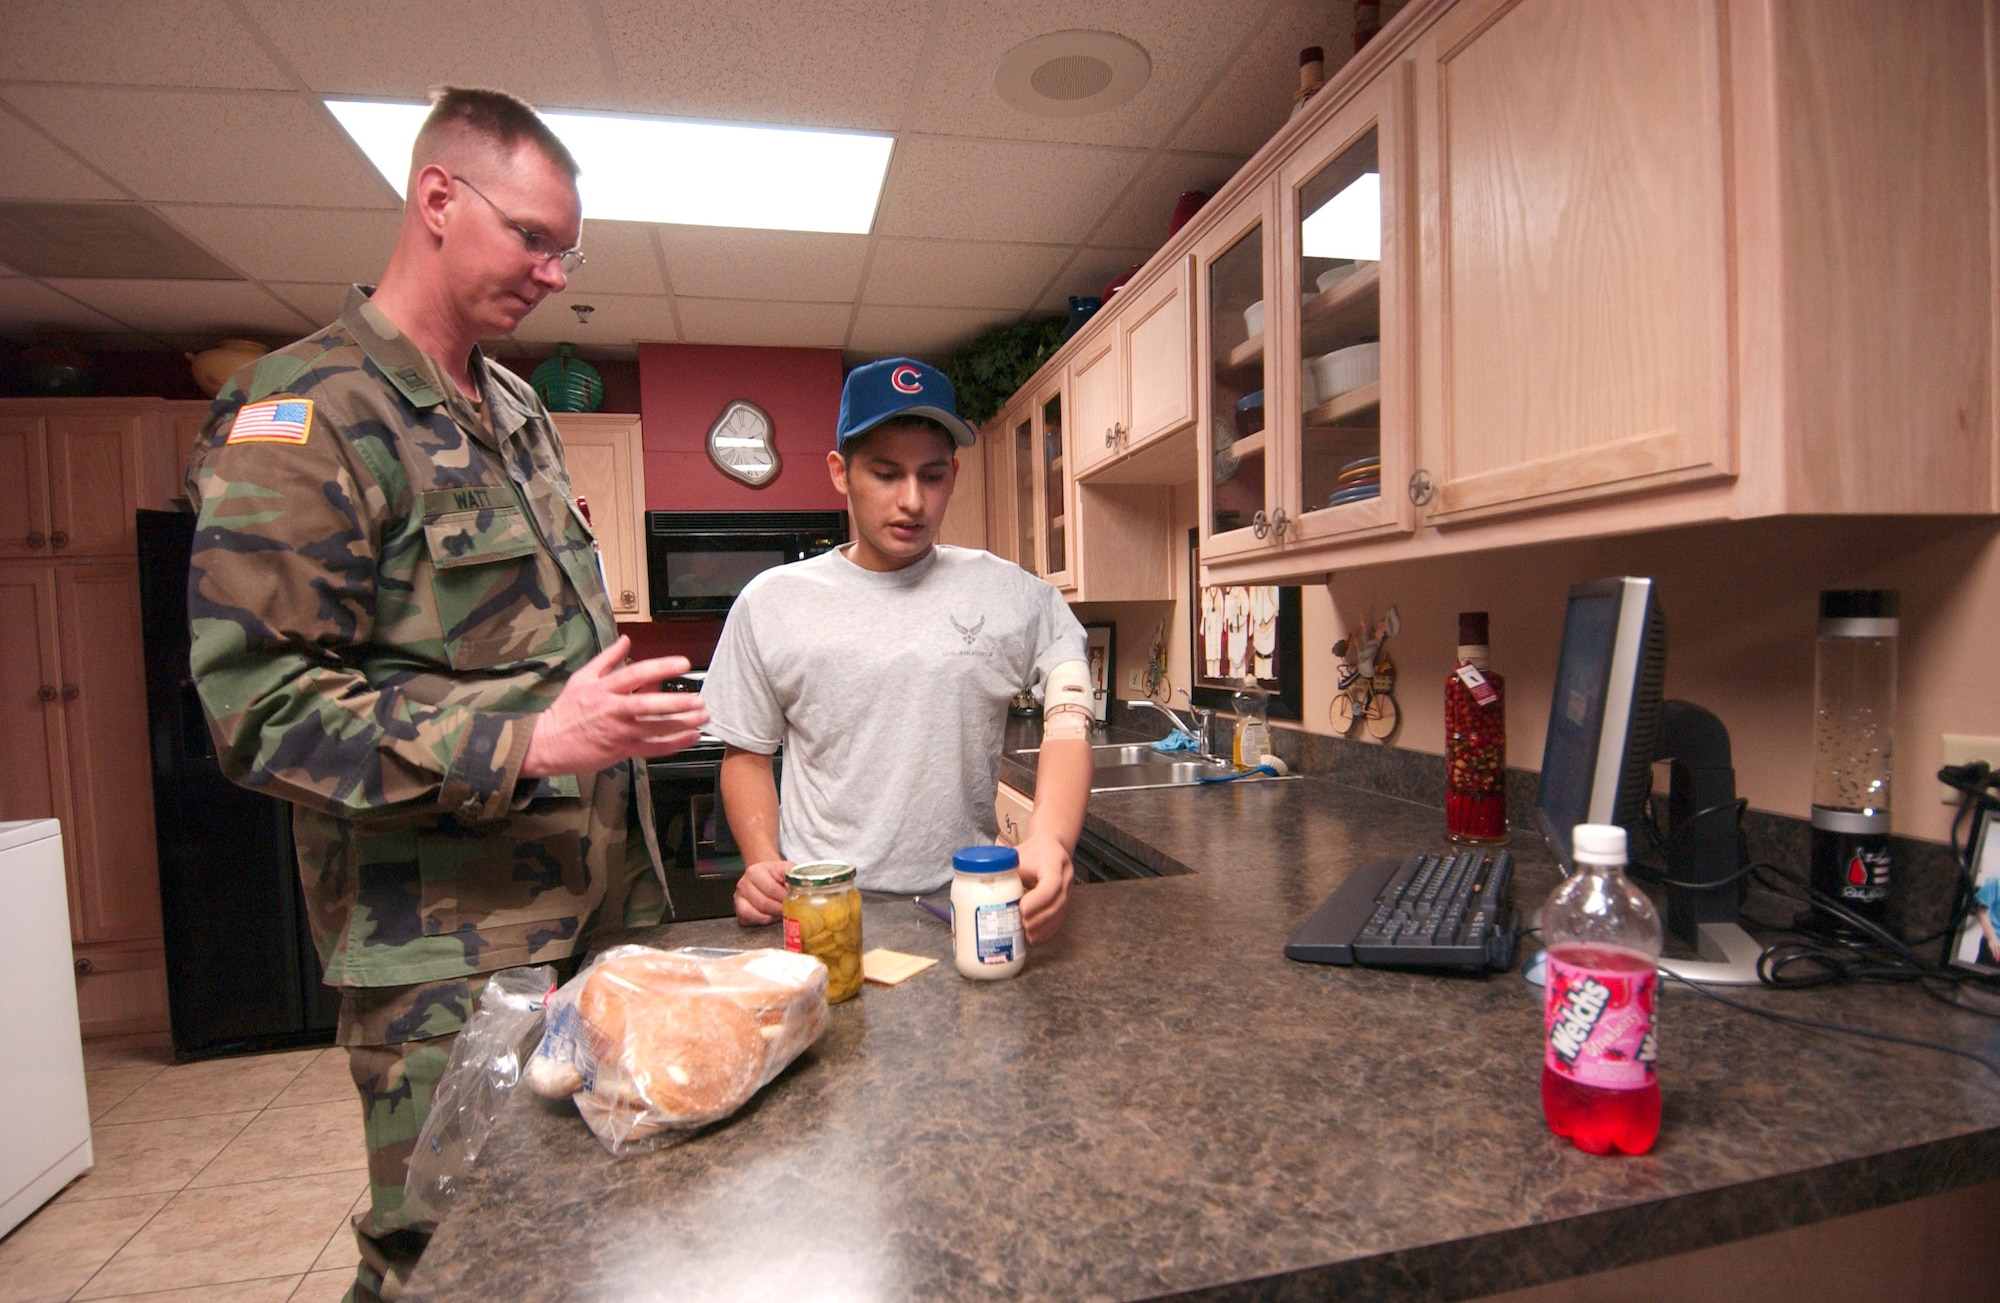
x,y
1123,753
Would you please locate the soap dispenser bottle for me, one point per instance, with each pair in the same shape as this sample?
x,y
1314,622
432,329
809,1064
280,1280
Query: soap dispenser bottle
x,y
1253,731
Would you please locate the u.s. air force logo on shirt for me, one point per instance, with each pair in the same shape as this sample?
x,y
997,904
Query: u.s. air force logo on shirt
x,y
968,634
283,420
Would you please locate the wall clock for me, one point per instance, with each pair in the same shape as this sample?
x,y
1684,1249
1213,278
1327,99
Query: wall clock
x,y
742,446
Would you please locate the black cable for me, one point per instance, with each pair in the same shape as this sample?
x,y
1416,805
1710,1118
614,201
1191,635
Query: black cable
x,y
1840,1028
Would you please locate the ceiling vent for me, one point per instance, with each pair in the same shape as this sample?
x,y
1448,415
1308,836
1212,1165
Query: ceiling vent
x,y
1071,74
107,241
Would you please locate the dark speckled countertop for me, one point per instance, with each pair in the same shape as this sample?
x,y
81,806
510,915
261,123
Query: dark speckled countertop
x,y
1161,1104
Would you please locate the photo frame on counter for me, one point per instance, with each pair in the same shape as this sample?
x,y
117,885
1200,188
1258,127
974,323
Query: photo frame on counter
x,y
1243,627
1100,643
1977,945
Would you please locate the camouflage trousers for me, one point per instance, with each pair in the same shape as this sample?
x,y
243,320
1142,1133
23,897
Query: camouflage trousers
x,y
395,1083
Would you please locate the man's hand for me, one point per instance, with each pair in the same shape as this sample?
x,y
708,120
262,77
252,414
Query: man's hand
x,y
1046,871
607,713
760,893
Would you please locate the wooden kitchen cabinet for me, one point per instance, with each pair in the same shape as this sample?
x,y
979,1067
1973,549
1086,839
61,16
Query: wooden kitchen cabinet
x,y
73,470
606,456
1012,808
1055,504
1724,266
187,419
1238,470
1576,280
1136,426
74,746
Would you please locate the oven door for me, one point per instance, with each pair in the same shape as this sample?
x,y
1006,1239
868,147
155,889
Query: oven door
x,y
696,849
701,574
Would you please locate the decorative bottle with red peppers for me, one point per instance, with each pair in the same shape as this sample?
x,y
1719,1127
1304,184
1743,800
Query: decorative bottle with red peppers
x,y
1475,741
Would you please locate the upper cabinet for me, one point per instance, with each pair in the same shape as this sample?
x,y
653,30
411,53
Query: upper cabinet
x,y
70,476
1238,473
1576,278
1527,270
606,456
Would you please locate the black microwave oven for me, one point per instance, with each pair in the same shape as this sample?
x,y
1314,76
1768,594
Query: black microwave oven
x,y
697,561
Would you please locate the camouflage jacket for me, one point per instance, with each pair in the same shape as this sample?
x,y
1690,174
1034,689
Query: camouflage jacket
x,y
383,593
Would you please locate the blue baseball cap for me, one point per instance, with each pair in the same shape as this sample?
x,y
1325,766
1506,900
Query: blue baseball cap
x,y
897,386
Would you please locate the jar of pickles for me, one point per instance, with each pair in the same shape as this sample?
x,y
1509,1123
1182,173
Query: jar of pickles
x,y
1475,740
823,919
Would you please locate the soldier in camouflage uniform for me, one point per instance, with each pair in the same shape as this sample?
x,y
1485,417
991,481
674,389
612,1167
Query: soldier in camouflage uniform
x,y
400,626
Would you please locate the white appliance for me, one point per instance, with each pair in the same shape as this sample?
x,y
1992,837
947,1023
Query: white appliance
x,y
44,1112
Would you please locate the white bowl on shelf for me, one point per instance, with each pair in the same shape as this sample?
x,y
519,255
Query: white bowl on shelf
x,y
1253,318
1332,276
1333,374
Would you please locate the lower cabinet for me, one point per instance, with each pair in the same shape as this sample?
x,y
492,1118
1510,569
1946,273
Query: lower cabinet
x,y
1012,809
73,743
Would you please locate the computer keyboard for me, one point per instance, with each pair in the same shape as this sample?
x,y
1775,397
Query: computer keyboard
x,y
1447,910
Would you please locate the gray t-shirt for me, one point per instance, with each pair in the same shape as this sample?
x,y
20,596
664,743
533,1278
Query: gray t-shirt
x,y
889,695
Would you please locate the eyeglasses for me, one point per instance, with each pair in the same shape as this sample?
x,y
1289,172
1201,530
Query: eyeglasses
x,y
540,247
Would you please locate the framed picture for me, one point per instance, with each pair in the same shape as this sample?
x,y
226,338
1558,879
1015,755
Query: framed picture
x,y
1100,643
1243,629
1977,945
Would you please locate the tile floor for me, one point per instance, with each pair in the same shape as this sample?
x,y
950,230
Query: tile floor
x,y
229,1181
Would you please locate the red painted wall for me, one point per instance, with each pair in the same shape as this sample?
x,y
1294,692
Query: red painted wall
x,y
684,387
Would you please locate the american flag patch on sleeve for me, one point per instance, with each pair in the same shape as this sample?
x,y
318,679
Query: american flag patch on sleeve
x,y
283,420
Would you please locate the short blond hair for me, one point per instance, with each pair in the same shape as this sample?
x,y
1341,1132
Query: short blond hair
x,y
492,116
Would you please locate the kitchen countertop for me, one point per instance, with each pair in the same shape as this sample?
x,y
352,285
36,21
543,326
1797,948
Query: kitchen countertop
x,y
1161,1104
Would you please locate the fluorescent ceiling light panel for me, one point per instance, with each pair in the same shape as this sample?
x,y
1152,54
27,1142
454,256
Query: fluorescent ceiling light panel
x,y
687,173
1349,225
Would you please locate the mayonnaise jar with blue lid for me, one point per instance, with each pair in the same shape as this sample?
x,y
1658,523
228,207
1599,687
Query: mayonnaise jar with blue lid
x,y
988,940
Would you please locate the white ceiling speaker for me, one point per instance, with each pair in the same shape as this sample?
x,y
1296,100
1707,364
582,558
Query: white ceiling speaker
x,y
1071,74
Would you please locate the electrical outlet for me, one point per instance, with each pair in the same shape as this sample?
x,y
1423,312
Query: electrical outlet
x,y
1963,749
1134,685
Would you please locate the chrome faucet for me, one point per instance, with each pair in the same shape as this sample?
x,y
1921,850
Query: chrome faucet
x,y
1200,730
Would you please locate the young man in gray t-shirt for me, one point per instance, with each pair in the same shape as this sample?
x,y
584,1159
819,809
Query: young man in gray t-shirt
x,y
884,670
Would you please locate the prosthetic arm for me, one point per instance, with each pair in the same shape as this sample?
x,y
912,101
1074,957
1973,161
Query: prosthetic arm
x,y
1066,706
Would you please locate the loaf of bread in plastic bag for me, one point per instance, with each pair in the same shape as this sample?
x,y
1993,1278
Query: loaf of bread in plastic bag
x,y
650,1041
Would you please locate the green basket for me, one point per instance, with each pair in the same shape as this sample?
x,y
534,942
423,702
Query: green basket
x,y
567,383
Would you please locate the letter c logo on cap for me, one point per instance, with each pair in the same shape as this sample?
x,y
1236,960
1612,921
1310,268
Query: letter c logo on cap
x,y
906,380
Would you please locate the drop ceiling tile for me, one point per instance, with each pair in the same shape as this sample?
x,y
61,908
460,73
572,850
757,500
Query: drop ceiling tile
x,y
212,307
1185,41
205,146
29,307
922,332
316,303
1089,273
795,62
39,169
616,320
618,257
1142,214
953,273
1255,99
294,244
954,188
718,262
541,50
773,325
134,42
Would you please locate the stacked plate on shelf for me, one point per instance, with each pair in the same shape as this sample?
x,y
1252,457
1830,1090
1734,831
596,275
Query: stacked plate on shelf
x,y
1358,479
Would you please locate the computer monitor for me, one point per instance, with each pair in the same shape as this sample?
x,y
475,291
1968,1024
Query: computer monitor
x,y
1604,715
1608,725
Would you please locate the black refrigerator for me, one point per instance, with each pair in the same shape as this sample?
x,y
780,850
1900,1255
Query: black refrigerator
x,y
241,971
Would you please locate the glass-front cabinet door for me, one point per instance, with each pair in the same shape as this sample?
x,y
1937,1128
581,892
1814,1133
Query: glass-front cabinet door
x,y
1052,475
1346,361
1020,436
1239,468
